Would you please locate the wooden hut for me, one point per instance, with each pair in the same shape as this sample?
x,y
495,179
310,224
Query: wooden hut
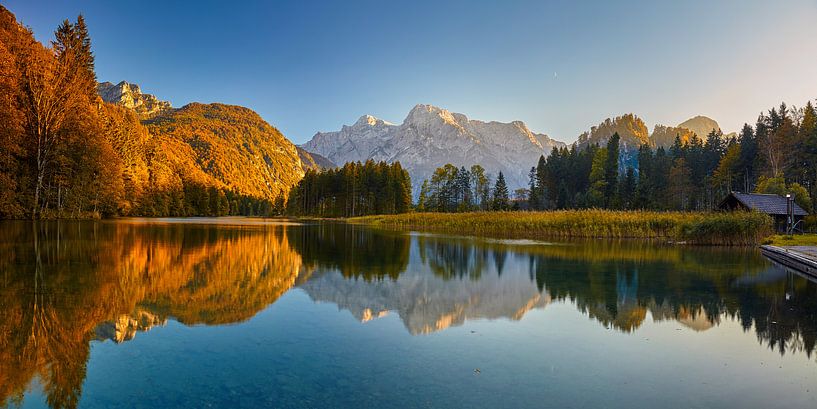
x,y
771,204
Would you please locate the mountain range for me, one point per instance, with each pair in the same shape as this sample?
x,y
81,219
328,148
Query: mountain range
x,y
233,147
430,137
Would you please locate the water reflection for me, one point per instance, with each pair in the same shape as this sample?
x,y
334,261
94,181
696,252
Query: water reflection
x,y
354,251
65,285
451,282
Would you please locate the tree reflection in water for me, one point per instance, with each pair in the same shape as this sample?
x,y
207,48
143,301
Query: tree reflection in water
x,y
66,284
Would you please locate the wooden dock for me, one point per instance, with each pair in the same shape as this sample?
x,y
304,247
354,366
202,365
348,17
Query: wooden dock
x,y
800,258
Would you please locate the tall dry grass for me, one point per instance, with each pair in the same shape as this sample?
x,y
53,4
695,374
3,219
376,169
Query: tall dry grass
x,y
738,228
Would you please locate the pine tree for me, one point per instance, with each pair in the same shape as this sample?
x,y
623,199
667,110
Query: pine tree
x,y
627,189
748,157
680,184
422,200
611,170
808,149
644,188
541,184
598,182
533,190
402,187
501,200
463,188
660,178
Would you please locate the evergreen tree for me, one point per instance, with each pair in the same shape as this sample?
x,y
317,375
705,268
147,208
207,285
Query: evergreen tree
x,y
422,201
541,184
611,169
501,201
748,157
808,148
463,188
644,189
680,184
661,179
598,182
353,190
627,189
533,190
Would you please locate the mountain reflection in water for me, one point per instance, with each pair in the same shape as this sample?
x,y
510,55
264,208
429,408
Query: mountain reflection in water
x,y
66,284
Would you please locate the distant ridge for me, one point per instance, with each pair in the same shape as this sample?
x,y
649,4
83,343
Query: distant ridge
x,y
431,137
314,161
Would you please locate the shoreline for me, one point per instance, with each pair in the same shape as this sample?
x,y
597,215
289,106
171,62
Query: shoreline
x,y
685,228
717,229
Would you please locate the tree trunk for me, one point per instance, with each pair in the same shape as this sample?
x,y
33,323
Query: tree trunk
x,y
37,188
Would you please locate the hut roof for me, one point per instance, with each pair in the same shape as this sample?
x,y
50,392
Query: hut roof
x,y
766,203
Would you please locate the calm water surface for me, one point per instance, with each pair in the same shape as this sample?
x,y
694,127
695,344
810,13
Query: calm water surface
x,y
253,313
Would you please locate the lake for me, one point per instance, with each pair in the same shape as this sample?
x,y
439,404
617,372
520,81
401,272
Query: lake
x,y
238,312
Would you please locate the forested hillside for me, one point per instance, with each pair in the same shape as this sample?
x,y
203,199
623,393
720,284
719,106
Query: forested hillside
x,y
232,145
64,152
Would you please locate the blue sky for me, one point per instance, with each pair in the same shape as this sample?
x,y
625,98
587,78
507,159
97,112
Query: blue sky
x,y
561,67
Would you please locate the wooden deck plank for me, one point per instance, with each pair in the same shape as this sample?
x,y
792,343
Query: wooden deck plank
x,y
801,258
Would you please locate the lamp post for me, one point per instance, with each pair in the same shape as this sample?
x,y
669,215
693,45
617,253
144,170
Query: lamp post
x,y
789,210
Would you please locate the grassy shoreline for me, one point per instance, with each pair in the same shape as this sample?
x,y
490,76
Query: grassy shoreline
x,y
728,229
783,240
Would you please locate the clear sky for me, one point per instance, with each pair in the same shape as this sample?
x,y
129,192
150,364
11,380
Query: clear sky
x,y
561,67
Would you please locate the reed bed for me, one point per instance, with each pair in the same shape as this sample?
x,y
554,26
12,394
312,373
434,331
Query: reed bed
x,y
731,229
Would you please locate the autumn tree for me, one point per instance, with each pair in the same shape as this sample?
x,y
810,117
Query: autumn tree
x,y
481,186
11,121
726,175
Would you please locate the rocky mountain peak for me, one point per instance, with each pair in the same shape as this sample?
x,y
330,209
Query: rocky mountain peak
x,y
130,96
701,125
425,114
367,121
